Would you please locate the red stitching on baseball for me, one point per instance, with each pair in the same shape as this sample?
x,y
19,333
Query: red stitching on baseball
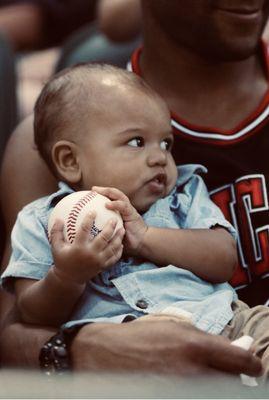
x,y
74,213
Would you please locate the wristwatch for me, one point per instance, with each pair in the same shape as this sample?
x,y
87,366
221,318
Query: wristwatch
x,y
54,356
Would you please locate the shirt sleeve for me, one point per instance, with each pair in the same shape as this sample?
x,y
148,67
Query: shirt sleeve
x,y
31,255
194,209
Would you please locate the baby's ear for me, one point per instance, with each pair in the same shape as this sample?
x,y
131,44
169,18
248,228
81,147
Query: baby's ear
x,y
65,158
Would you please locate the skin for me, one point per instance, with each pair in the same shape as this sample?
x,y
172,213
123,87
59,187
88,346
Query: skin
x,y
230,29
183,65
178,69
113,14
138,145
179,349
163,347
119,20
22,24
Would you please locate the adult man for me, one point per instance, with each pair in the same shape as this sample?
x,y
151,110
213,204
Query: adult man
x,y
206,59
189,46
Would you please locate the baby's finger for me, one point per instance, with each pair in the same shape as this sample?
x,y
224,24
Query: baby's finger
x,y
104,237
115,244
56,235
118,237
123,207
111,193
84,231
114,256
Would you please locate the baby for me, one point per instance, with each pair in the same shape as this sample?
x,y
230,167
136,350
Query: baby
x,y
102,128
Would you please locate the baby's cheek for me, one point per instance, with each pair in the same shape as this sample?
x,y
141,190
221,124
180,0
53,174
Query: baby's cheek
x,y
171,174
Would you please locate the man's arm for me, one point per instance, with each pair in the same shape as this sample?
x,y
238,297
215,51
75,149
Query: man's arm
x,y
155,347
24,175
21,182
19,343
158,347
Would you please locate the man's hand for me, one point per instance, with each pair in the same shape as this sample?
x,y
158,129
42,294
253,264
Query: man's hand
x,y
87,255
155,347
135,227
158,347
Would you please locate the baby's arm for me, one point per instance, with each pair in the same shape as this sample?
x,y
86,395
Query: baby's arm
x,y
209,253
46,302
51,300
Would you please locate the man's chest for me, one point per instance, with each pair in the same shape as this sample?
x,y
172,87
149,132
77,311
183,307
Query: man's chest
x,y
238,181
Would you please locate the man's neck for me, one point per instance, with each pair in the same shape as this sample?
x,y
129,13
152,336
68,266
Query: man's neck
x,y
207,93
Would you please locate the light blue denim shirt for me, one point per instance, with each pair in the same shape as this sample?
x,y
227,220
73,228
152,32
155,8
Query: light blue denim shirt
x,y
133,287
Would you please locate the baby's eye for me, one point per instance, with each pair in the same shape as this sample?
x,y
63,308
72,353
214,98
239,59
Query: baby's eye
x,y
136,142
167,144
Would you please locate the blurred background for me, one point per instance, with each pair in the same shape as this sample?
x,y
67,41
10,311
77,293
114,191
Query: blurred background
x,y
30,385
40,37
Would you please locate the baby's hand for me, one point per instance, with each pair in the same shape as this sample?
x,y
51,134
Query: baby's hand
x,y
135,227
87,255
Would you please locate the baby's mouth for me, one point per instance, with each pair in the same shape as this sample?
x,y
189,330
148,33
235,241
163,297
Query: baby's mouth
x,y
158,183
160,178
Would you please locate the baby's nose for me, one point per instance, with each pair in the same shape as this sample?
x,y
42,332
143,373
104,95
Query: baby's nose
x,y
157,156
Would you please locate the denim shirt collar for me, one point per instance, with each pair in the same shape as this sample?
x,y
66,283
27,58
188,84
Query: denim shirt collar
x,y
63,190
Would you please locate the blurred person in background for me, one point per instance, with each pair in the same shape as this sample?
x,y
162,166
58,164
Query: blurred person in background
x,y
35,29
35,24
119,20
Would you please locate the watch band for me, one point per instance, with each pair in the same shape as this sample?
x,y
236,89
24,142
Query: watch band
x,y
54,356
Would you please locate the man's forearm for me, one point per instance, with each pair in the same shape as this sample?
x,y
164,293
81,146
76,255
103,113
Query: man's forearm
x,y
161,347
20,345
158,347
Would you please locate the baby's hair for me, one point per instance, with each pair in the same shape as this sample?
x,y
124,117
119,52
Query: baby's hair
x,y
63,100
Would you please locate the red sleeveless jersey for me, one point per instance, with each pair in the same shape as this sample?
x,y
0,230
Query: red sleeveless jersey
x,y
238,181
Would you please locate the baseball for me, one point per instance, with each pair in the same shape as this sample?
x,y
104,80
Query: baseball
x,y
73,208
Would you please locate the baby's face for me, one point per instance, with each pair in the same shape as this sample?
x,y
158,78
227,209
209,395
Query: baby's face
x,y
129,148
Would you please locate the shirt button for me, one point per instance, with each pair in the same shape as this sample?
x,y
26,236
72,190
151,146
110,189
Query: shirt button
x,y
142,304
